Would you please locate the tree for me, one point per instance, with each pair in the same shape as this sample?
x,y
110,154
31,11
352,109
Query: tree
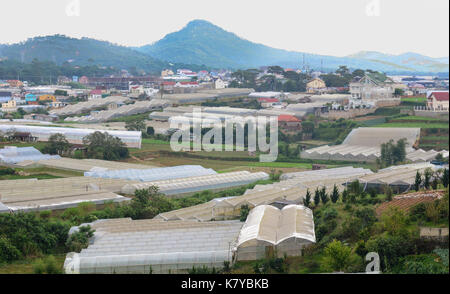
x,y
427,178
102,145
324,195
417,181
307,199
135,125
245,210
345,195
150,131
316,197
80,240
445,177
57,144
337,256
335,194
47,265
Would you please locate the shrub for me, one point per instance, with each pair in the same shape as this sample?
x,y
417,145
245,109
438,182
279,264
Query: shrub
x,y
8,252
47,265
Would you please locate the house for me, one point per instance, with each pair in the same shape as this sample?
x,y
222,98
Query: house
x,y
9,106
316,86
57,104
268,102
289,123
47,98
166,72
5,97
95,94
438,101
30,98
219,84
83,80
372,86
41,117
417,89
63,80
15,83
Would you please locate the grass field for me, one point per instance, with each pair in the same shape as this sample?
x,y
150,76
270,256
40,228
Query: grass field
x,y
419,118
414,99
421,125
26,266
33,176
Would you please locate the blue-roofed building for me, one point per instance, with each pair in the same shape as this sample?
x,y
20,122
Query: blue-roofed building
x,y
30,97
5,96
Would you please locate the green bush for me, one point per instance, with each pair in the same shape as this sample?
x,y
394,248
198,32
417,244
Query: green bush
x,y
47,265
8,252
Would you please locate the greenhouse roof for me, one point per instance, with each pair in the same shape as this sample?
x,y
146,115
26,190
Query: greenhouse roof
x,y
154,174
13,155
124,244
270,224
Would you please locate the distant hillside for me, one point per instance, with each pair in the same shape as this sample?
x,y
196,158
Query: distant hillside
x,y
410,60
201,42
83,52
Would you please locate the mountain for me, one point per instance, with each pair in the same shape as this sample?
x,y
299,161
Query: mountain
x,y
82,52
410,60
201,42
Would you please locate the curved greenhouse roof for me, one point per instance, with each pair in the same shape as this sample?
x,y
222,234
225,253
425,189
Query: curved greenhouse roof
x,y
269,224
13,155
144,246
154,174
74,135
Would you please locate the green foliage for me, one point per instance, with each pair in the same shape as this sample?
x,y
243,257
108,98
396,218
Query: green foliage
x,y
392,154
307,199
8,252
30,234
335,194
104,146
57,144
316,197
47,265
6,171
245,210
80,239
445,177
135,125
417,181
323,195
337,257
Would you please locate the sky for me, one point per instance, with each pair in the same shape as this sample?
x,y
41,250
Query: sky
x,y
328,27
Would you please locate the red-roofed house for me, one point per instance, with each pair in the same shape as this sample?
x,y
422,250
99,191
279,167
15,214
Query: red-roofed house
x,y
95,94
289,123
268,102
438,100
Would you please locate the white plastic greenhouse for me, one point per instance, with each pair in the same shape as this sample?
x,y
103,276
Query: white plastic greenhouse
x,y
126,110
183,186
73,135
282,231
152,246
83,107
13,155
154,174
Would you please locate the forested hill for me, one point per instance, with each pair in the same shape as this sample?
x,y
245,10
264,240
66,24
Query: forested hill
x,y
201,42
63,50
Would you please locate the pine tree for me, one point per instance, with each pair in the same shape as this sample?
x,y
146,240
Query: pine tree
x,y
427,178
445,178
307,199
324,195
417,181
344,195
335,194
316,197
